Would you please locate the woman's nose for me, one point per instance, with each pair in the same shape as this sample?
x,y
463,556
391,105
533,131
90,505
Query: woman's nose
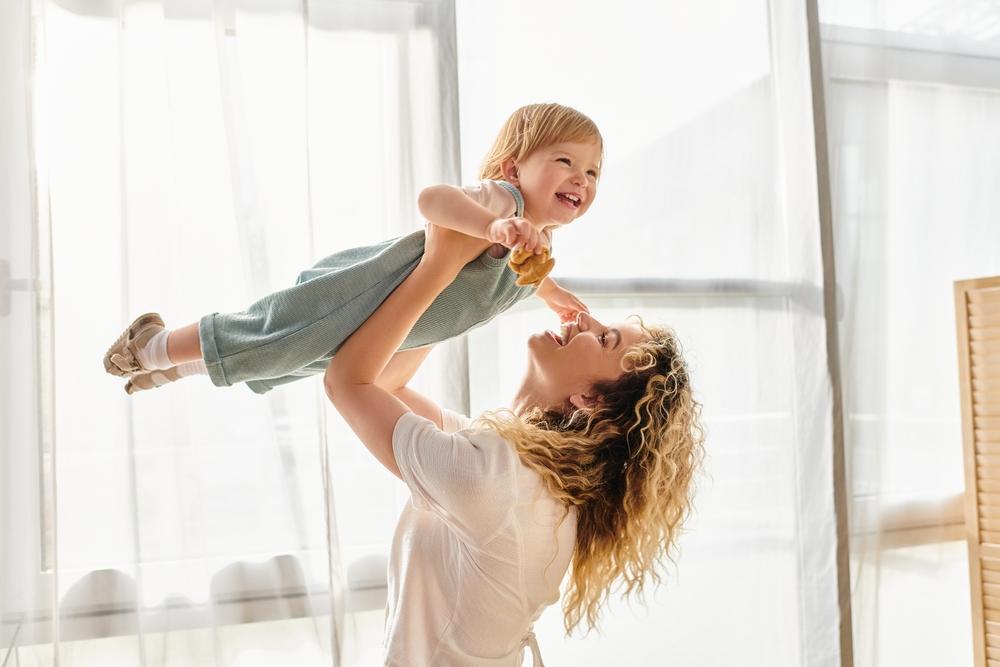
x,y
586,321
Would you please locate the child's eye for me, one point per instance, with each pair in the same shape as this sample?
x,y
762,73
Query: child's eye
x,y
563,159
592,173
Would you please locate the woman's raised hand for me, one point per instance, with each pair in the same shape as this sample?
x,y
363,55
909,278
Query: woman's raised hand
x,y
448,250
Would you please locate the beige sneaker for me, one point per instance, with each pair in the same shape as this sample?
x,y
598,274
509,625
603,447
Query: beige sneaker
x,y
151,380
120,358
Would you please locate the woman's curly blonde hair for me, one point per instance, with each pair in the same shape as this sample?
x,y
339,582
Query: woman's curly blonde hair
x,y
628,466
536,126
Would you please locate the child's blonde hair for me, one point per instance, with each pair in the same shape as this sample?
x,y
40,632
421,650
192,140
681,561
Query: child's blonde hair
x,y
537,126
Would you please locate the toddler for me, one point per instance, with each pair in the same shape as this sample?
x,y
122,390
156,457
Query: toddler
x,y
540,174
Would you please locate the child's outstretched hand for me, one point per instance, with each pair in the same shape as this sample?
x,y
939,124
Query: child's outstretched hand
x,y
563,302
515,232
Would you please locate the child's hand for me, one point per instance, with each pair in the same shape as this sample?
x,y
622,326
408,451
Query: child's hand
x,y
515,232
565,304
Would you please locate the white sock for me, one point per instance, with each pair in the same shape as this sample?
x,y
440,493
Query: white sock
x,y
196,367
154,355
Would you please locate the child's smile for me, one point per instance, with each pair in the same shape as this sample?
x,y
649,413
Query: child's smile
x,y
571,200
558,182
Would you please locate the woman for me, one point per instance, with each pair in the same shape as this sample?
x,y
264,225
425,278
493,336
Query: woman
x,y
592,467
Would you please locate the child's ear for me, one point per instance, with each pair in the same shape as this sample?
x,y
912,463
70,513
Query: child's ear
x,y
509,170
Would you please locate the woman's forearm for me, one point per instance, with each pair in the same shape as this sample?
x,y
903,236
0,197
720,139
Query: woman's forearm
x,y
350,382
365,354
351,379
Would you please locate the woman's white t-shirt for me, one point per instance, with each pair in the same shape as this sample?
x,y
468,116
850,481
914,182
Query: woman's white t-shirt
x,y
479,551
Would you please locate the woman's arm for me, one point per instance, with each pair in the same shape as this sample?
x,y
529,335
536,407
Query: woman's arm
x,y
351,379
450,207
397,375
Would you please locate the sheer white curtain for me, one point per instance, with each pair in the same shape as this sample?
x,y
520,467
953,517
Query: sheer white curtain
x,y
188,158
913,91
707,219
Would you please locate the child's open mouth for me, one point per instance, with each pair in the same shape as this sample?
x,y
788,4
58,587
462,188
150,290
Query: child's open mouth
x,y
572,201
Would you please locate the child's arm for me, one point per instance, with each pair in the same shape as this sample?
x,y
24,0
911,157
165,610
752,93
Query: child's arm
x,y
452,208
562,301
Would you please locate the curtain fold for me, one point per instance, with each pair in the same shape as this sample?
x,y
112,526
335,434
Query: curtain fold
x,y
912,102
707,219
194,156
28,589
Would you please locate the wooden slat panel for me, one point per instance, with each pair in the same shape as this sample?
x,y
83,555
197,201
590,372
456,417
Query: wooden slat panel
x,y
986,404
977,313
979,308
984,369
985,359
984,295
986,384
984,333
989,346
984,320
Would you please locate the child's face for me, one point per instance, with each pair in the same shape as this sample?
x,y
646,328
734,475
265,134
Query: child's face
x,y
558,182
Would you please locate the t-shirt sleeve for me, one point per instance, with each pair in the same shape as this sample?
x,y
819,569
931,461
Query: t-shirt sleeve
x,y
493,196
467,479
452,421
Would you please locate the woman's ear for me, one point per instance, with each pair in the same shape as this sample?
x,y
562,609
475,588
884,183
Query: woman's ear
x,y
510,171
582,401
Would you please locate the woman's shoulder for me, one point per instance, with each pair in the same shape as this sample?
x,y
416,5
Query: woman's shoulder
x,y
470,451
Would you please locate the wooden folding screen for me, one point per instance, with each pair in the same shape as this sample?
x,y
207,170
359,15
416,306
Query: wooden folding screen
x,y
977,304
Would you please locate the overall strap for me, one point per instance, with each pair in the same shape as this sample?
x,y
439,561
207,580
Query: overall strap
x,y
517,196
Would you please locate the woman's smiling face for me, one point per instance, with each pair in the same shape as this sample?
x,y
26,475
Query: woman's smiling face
x,y
563,367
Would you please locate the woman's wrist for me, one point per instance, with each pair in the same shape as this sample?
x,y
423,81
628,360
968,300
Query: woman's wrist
x,y
434,276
